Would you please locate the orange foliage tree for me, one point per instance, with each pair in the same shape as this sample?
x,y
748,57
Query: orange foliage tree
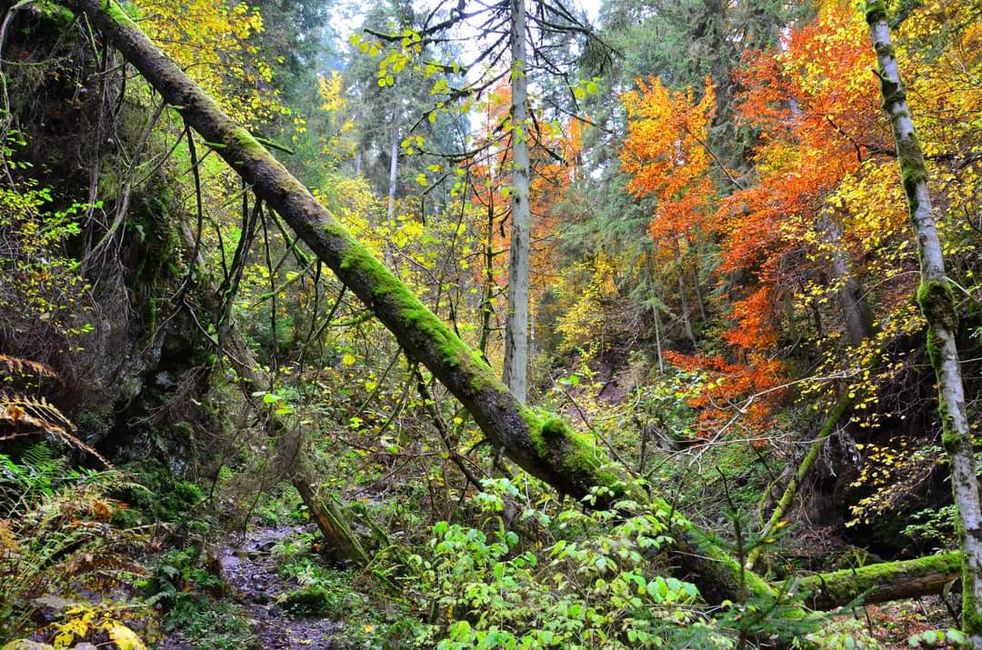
x,y
821,216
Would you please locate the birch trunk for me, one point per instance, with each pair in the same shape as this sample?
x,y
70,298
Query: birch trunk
x,y
937,302
393,173
517,323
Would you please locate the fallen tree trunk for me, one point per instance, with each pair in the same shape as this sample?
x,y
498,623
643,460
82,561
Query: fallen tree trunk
x,y
879,583
541,444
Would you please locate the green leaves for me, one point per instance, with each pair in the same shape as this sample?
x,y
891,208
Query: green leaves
x,y
586,88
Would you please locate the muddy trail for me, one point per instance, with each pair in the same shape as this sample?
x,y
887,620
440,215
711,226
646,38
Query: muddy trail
x,y
249,567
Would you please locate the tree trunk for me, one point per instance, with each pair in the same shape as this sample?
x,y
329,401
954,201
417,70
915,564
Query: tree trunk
x,y
488,290
937,302
649,264
683,300
879,583
856,313
519,264
393,173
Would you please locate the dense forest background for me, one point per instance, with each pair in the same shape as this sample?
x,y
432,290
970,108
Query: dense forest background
x,y
732,438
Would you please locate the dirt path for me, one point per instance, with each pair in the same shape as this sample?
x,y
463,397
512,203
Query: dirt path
x,y
249,568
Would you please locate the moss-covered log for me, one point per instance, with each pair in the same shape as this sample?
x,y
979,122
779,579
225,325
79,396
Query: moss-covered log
x,y
937,302
878,583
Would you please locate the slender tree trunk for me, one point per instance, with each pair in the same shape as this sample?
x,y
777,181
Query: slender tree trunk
x,y
519,265
856,313
937,302
649,263
683,299
695,277
393,173
487,293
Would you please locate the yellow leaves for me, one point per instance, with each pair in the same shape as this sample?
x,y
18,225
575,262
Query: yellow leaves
x,y
125,638
210,39
81,621
583,323
330,89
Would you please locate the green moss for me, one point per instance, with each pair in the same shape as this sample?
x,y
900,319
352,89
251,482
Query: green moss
x,y
411,313
570,452
119,15
937,302
55,12
893,94
312,602
971,613
885,50
249,147
848,584
875,11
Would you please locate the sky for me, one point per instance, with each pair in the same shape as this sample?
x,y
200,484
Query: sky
x,y
350,14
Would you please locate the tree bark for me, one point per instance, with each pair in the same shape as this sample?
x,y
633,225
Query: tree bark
x,y
856,313
879,583
393,173
519,265
937,302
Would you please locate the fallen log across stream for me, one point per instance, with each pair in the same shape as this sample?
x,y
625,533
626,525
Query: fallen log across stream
x,y
541,444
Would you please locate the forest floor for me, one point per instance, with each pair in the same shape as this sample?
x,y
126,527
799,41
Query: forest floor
x,y
248,565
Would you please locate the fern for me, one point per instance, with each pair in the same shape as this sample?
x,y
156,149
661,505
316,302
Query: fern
x,y
31,415
35,476
57,538
13,367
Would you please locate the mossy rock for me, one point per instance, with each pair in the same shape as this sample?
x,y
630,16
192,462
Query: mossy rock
x,y
311,602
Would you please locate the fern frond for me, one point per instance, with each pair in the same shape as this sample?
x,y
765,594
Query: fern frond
x,y
18,366
41,415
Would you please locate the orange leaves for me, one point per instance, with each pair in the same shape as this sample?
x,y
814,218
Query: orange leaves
x,y
748,389
665,153
815,106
